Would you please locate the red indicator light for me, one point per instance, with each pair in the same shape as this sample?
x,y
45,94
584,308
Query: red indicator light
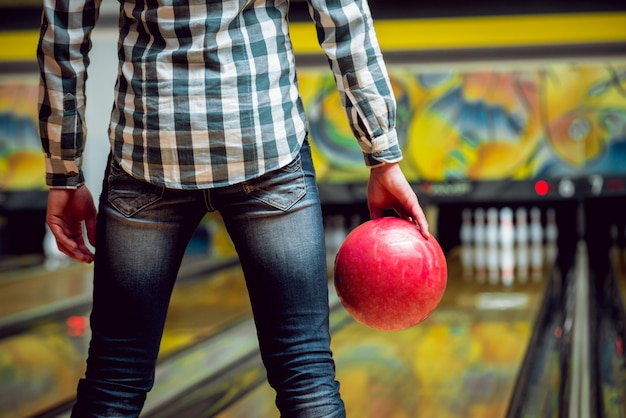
x,y
77,322
542,188
615,185
77,325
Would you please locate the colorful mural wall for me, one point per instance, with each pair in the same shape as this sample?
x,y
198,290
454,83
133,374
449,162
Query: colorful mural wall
x,y
477,123
21,159
485,122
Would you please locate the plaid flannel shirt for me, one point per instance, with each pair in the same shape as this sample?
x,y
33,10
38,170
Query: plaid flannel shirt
x,y
206,93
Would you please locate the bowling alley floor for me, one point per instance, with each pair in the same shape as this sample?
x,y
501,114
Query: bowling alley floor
x,y
462,361
39,360
608,336
44,318
34,289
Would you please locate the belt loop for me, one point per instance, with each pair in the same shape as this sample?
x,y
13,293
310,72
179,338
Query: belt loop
x,y
207,200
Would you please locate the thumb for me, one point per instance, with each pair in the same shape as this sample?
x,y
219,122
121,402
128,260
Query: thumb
x,y
90,226
375,212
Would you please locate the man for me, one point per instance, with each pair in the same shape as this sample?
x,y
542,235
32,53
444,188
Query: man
x,y
207,117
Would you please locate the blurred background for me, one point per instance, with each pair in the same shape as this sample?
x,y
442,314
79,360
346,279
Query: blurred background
x,y
512,121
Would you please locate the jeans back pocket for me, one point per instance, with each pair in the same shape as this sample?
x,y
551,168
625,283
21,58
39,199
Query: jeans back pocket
x,y
280,188
129,195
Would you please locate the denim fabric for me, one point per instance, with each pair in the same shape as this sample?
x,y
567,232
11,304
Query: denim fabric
x,y
275,223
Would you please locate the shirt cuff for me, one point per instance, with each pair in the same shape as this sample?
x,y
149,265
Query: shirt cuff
x,y
389,156
63,174
380,150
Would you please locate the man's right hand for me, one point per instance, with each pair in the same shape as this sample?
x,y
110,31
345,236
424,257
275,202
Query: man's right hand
x,y
388,188
67,210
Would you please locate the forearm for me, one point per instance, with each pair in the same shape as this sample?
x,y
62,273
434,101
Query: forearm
x,y
62,55
346,33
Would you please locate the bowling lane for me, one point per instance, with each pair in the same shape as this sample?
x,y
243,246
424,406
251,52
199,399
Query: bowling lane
x,y
36,292
609,335
203,307
44,316
41,366
463,361
42,335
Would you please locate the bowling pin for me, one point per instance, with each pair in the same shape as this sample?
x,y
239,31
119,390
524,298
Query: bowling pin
x,y
480,262
521,226
479,226
522,261
507,231
536,261
492,232
536,243
507,240
522,257
492,227
465,234
507,264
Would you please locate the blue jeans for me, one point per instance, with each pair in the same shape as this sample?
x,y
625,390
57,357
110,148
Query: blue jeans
x,y
275,223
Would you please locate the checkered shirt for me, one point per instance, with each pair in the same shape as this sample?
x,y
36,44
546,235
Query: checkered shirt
x,y
206,93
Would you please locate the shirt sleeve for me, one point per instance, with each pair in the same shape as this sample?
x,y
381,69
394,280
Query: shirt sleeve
x,y
346,33
62,54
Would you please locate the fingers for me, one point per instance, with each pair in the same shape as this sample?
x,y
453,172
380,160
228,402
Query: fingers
x,y
414,214
419,218
68,210
72,244
375,212
389,189
90,226
81,253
